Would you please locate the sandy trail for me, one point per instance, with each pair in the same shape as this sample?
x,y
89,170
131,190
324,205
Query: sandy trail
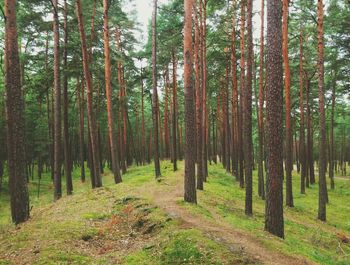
x,y
236,240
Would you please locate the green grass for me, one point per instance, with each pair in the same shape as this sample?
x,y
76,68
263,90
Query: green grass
x,y
79,229
91,226
187,247
305,235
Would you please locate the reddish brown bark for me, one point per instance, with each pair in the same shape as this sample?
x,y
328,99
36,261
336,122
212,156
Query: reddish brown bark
x,y
67,152
274,193
19,197
57,106
111,130
80,98
205,122
122,123
310,144
198,91
190,151
155,106
174,117
247,115
227,115
96,180
322,117
261,182
234,148
242,88
166,115
302,149
289,133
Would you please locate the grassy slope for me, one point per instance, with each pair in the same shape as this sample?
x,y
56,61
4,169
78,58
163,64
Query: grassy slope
x,y
91,226
305,235
111,225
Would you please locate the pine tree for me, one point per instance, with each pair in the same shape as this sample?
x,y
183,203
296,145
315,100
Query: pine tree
x,y
190,151
15,120
274,193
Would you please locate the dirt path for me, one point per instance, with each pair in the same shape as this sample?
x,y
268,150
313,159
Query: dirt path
x,y
343,178
220,231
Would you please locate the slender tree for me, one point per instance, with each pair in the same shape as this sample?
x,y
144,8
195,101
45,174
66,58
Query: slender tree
x,y
331,134
302,148
18,189
205,112
174,116
247,114
111,130
322,119
155,105
67,153
143,119
198,91
190,151
289,133
242,88
166,113
96,180
261,182
122,123
80,96
57,105
234,122
274,193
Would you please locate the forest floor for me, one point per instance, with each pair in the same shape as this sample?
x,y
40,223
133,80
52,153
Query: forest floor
x,y
142,221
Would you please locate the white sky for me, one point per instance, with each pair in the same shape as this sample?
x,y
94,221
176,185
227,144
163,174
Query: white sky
x,y
144,10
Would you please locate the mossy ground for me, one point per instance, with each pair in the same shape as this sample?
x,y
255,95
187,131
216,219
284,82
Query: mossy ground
x,y
116,224
304,234
119,224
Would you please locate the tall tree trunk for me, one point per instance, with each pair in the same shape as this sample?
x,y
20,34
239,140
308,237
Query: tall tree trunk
x,y
205,142
166,115
48,108
67,153
247,115
143,120
111,130
161,139
121,107
310,144
19,197
198,91
125,120
302,151
261,182
331,136
234,142
274,193
242,88
174,118
322,120
190,151
96,179
155,106
227,116
289,133
57,106
296,148
80,96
